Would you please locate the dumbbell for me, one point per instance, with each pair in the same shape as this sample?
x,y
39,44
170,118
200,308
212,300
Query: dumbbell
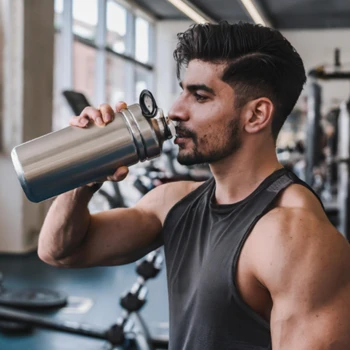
x,y
150,266
134,300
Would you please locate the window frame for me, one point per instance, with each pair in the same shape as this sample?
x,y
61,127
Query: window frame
x,y
99,43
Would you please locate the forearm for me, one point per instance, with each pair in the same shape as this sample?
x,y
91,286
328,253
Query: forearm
x,y
65,225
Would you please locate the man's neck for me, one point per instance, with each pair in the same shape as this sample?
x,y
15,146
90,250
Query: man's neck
x,y
240,174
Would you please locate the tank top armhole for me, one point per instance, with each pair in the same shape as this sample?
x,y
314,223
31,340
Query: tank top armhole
x,y
234,289
190,195
285,182
232,279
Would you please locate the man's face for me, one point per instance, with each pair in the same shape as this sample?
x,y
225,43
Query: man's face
x,y
208,127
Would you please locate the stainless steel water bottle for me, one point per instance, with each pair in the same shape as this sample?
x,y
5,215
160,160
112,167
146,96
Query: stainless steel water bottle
x,y
72,157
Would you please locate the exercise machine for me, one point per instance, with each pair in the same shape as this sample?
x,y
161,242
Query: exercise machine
x,y
130,330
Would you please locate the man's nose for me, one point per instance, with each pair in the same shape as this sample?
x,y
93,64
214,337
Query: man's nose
x,y
178,111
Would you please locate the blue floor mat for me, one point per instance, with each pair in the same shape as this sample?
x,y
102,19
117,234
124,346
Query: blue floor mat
x,y
94,299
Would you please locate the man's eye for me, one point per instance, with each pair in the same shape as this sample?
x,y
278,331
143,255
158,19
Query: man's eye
x,y
200,98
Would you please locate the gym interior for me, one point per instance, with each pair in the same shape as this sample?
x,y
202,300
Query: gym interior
x,y
59,56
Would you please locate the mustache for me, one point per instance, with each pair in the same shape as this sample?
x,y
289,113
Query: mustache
x,y
183,132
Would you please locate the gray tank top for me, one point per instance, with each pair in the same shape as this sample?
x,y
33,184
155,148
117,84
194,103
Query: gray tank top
x,y
202,244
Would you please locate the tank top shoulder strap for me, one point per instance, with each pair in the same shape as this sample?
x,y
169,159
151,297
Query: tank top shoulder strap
x,y
298,181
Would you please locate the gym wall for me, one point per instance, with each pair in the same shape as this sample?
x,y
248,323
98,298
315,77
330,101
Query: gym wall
x,y
26,103
27,66
316,47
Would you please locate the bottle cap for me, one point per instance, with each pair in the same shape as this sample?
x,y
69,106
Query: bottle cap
x,y
148,104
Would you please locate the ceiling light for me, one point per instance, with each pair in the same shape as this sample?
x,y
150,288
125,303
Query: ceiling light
x,y
191,11
255,13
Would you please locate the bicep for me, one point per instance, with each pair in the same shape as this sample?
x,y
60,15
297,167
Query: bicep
x,y
298,323
307,271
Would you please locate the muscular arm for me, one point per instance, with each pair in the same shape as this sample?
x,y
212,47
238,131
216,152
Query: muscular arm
x,y
306,268
71,237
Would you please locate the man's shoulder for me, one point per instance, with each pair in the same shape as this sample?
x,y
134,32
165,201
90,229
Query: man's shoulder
x,y
292,243
290,237
291,224
296,219
164,197
299,198
176,190
296,210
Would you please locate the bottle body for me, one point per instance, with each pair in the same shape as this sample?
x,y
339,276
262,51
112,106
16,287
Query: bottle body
x,y
72,157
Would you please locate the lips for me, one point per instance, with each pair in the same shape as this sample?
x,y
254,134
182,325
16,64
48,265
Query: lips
x,y
180,138
182,135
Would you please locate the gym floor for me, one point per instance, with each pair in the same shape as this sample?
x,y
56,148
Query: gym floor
x,y
102,285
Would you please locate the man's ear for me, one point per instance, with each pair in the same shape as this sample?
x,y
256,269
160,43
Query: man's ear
x,y
257,115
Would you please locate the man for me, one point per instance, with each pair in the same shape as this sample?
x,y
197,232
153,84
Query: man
x,y
252,260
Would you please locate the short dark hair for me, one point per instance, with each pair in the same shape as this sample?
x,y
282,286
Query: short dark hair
x,y
260,63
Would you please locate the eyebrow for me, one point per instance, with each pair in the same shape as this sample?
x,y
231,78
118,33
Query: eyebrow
x,y
196,87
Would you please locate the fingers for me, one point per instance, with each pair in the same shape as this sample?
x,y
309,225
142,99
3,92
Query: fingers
x,y
120,105
78,121
107,113
88,114
91,113
100,117
119,175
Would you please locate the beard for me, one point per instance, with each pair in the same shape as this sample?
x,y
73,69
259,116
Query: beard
x,y
229,143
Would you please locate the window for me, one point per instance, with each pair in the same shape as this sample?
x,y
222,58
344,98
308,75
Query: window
x,y
115,80
58,13
85,18
143,80
116,26
142,31
84,70
115,64
61,110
